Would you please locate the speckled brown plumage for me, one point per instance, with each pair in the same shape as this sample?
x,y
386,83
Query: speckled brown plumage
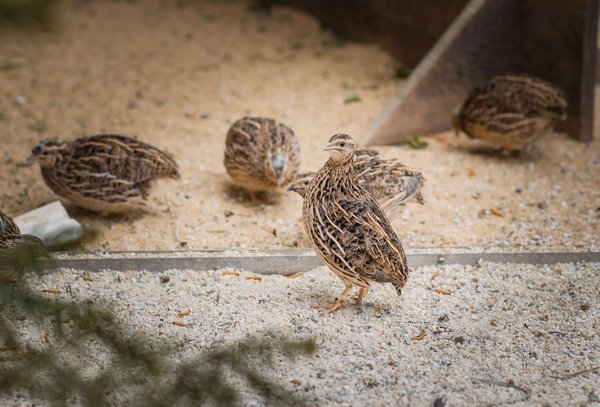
x,y
261,154
511,111
7,225
348,229
16,249
389,181
107,173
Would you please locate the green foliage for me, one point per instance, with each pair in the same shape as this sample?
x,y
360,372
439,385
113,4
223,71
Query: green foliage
x,y
402,72
352,99
415,142
135,371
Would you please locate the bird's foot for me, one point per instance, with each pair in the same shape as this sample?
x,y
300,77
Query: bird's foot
x,y
328,308
339,302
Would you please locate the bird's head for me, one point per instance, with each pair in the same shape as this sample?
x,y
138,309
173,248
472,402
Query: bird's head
x,y
300,183
341,147
46,152
281,170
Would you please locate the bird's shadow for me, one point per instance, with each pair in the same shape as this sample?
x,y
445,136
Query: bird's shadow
x,y
248,198
125,217
319,296
499,154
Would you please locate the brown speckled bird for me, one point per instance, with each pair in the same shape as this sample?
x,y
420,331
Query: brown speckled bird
x,y
106,173
389,181
511,111
17,251
348,229
261,154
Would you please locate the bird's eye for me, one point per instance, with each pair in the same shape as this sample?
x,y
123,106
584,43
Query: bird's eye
x,y
342,144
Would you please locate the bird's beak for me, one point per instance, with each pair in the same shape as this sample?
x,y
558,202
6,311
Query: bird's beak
x,y
292,188
328,147
27,162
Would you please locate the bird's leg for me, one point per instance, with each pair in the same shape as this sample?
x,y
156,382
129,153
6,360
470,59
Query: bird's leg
x,y
339,302
252,199
362,293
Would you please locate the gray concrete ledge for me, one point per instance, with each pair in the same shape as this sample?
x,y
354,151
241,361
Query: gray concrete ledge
x,y
287,261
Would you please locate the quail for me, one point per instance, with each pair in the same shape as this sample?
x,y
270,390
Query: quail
x,y
389,181
347,227
511,111
261,154
105,173
17,251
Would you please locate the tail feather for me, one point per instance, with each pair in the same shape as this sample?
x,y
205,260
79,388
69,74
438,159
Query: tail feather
x,y
412,188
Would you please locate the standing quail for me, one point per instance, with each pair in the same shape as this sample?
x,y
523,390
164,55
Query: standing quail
x,y
261,154
106,173
389,181
511,111
348,229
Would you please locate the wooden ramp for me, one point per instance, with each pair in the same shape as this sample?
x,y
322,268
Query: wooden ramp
x,y
553,39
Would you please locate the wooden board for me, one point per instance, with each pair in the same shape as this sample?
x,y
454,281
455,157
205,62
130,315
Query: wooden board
x,y
408,29
477,45
455,50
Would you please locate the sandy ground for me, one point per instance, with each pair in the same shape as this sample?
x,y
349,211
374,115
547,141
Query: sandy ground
x,y
177,74
532,325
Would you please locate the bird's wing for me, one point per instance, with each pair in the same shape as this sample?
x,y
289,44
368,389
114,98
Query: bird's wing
x,y
123,157
405,188
374,249
83,179
331,236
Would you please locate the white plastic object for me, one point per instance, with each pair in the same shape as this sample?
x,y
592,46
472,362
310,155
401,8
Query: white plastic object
x,y
51,223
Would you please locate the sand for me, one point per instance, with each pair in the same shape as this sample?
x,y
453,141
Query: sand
x,y
532,325
177,74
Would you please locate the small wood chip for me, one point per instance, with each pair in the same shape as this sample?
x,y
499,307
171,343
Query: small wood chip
x,y
298,274
271,230
496,212
255,278
296,382
419,336
46,337
179,323
578,373
52,291
88,279
443,292
184,313
231,273
435,275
